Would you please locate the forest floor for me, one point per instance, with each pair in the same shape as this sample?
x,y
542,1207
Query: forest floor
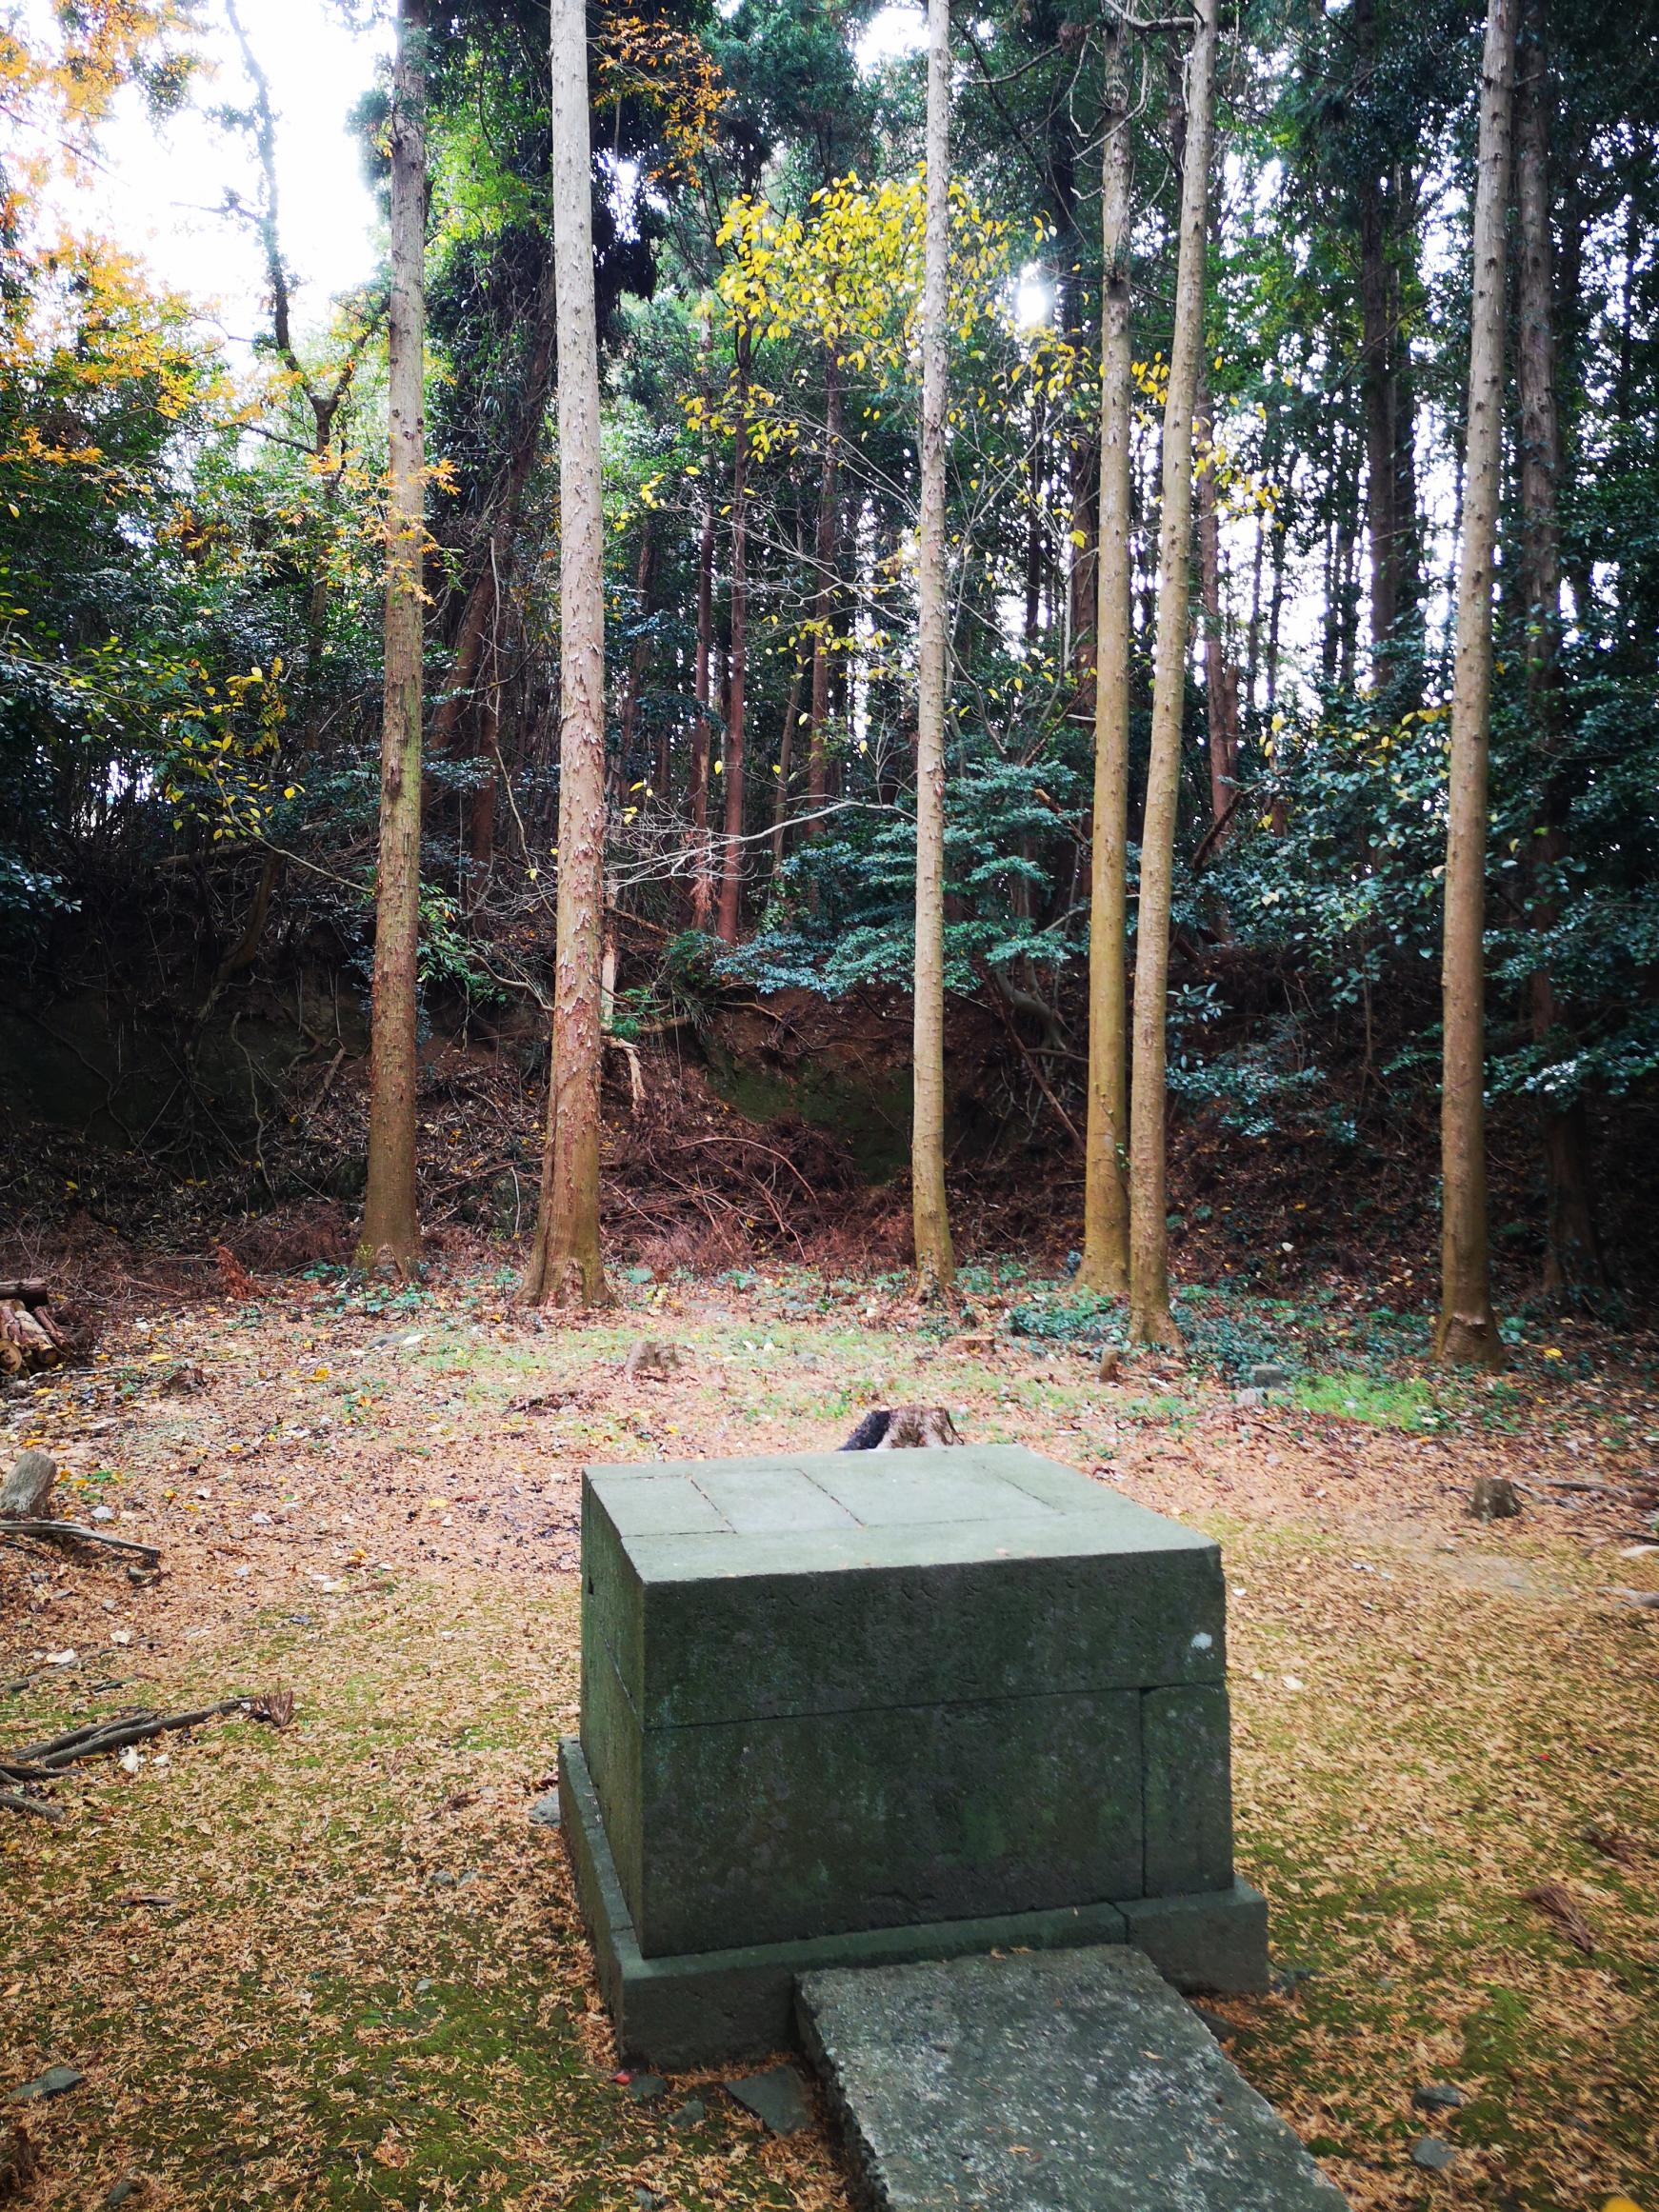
x,y
337,1965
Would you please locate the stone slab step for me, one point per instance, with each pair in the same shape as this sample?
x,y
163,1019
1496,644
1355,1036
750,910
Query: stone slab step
x,y
1059,2081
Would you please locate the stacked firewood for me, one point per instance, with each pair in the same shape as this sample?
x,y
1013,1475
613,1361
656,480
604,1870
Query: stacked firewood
x,y
28,1336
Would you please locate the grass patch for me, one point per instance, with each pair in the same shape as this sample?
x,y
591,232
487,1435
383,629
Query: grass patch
x,y
1382,1400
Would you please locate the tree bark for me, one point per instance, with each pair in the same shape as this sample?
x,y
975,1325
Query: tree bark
x,y
1467,1331
730,912
1149,1318
1105,1226
1572,1262
390,1213
565,1263
935,1258
701,900
1220,675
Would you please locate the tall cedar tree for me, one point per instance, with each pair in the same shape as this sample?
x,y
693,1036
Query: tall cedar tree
x,y
1106,1223
565,1264
390,1212
1467,1331
935,1260
1149,1318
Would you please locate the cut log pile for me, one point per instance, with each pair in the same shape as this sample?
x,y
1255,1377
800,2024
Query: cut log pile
x,y
30,1339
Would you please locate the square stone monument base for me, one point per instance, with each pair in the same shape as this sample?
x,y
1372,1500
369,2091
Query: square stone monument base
x,y
843,1709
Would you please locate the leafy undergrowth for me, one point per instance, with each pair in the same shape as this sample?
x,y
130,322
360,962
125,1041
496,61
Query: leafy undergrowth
x,y
337,1967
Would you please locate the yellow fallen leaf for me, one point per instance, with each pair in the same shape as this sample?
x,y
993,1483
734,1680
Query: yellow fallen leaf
x,y
1620,2205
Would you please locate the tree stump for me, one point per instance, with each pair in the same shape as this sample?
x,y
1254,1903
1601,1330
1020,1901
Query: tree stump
x,y
1494,1499
25,1493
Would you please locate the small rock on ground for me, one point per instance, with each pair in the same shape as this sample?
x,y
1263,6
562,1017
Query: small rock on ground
x,y
690,2114
545,1812
1431,2154
1437,2097
777,2099
52,2084
1268,1375
643,2088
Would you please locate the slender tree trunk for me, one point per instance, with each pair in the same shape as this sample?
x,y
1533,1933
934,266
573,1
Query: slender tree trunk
x,y
702,902
824,599
1149,1317
1036,463
1347,578
1572,1251
640,657
481,810
1106,1222
1253,632
935,1259
1219,676
786,764
1377,390
390,1211
1281,537
1085,585
730,913
565,1264
1468,1331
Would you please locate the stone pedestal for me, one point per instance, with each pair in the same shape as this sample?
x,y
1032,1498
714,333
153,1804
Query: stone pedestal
x,y
839,1707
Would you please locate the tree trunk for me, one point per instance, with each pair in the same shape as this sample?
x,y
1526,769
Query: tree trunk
x,y
1377,391
1468,1331
481,808
1219,676
1084,584
1149,1318
640,657
1036,463
730,912
1572,1256
935,1259
390,1213
824,601
565,1264
1105,1248
701,900
785,762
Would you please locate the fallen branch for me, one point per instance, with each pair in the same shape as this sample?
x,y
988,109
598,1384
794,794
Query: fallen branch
x,y
13,1801
75,1531
93,1738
